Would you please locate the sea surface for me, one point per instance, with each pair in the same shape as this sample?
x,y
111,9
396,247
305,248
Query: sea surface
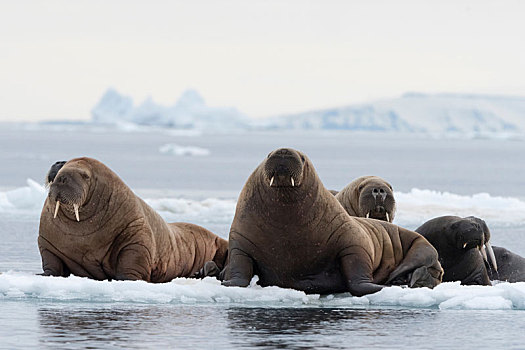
x,y
196,177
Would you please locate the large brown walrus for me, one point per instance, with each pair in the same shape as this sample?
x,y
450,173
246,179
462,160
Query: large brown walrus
x,y
370,197
93,225
292,232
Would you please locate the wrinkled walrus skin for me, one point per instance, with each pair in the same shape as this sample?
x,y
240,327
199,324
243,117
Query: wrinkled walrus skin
x,y
116,235
460,243
292,232
370,197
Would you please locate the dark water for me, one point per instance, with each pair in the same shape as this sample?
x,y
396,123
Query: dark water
x,y
70,325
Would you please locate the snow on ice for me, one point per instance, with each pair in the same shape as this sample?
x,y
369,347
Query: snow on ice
x,y
23,286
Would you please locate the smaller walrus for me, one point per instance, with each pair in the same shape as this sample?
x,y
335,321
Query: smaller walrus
x,y
93,225
460,243
291,232
510,266
368,197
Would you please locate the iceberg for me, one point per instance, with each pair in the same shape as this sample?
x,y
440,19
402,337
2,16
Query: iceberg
x,y
189,112
460,115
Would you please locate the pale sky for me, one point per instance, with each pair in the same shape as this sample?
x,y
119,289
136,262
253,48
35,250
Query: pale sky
x,y
57,57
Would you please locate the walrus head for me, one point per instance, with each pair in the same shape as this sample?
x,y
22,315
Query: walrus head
x,y
69,184
472,232
376,199
284,168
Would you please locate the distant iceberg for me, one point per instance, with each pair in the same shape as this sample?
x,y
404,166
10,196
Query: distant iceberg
x,y
189,112
459,115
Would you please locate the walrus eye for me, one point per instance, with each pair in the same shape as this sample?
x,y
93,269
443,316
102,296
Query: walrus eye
x,y
85,176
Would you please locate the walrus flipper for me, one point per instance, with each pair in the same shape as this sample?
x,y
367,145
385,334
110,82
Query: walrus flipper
x,y
358,275
239,270
52,265
133,263
210,269
419,268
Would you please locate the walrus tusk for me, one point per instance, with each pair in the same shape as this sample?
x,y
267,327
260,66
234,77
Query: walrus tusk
x,y
492,256
293,182
76,211
484,254
464,245
56,209
271,181
367,215
387,217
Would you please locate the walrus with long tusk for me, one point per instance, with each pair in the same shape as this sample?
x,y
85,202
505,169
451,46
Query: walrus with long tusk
x,y
292,232
370,197
461,244
93,225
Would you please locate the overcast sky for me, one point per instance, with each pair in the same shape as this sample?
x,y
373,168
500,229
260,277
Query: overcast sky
x,y
264,57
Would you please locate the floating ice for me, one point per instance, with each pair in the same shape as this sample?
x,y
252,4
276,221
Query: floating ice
x,y
413,208
17,286
180,209
28,198
184,150
418,206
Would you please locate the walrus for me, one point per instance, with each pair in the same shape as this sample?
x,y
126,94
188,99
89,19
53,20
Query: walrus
x,y
370,197
510,266
293,233
461,244
93,225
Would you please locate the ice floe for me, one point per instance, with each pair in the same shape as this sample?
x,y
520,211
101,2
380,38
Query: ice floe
x,y
23,286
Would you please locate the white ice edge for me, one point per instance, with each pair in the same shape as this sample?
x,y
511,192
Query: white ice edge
x,y
23,286
413,208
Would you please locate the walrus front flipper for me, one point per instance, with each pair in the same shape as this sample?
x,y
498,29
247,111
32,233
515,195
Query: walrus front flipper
x,y
239,271
357,274
52,265
133,264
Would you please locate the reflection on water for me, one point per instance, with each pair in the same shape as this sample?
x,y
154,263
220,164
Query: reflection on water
x,y
73,325
128,326
317,328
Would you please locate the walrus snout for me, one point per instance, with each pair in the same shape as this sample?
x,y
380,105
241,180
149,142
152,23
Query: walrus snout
x,y
379,194
284,168
377,202
66,191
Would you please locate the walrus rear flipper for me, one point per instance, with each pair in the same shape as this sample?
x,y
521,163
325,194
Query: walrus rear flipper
x,y
210,269
419,268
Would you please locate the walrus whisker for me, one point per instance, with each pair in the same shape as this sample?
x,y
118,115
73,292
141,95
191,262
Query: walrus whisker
x,y
492,256
56,209
271,181
293,183
75,206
